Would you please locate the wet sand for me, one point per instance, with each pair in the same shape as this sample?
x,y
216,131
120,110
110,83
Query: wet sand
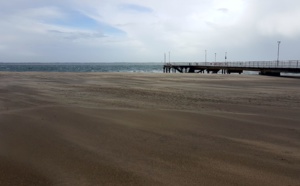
x,y
148,129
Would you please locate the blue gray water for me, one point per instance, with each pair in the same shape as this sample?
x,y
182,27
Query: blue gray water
x,y
91,67
82,67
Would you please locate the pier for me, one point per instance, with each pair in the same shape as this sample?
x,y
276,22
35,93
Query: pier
x,y
273,68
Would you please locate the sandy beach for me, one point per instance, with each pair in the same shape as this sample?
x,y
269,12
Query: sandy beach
x,y
90,129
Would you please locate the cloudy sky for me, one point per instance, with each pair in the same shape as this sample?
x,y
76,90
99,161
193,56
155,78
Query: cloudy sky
x,y
142,31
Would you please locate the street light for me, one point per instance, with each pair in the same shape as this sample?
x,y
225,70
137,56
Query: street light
x,y
215,57
205,56
278,52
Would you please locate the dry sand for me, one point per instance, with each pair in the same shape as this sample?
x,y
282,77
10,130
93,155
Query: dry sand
x,y
148,129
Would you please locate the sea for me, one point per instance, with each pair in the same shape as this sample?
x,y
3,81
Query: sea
x,y
154,67
82,67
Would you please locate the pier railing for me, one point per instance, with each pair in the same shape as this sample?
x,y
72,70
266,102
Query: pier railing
x,y
273,68
249,64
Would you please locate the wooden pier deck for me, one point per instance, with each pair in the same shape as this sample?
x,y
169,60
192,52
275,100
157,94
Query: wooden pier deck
x,y
263,67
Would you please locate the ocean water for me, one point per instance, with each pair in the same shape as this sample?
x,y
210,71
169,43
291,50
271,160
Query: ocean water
x,y
82,67
94,67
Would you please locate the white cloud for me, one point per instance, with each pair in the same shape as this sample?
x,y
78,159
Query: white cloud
x,y
285,24
134,30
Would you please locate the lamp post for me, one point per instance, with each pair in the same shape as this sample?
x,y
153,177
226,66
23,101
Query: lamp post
x,y
225,57
278,53
205,56
215,57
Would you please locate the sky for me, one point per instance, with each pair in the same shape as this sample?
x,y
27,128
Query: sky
x,y
142,31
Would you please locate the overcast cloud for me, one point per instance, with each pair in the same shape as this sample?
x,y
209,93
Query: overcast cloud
x,y
142,31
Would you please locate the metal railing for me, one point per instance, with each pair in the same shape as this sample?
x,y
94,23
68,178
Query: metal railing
x,y
249,64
